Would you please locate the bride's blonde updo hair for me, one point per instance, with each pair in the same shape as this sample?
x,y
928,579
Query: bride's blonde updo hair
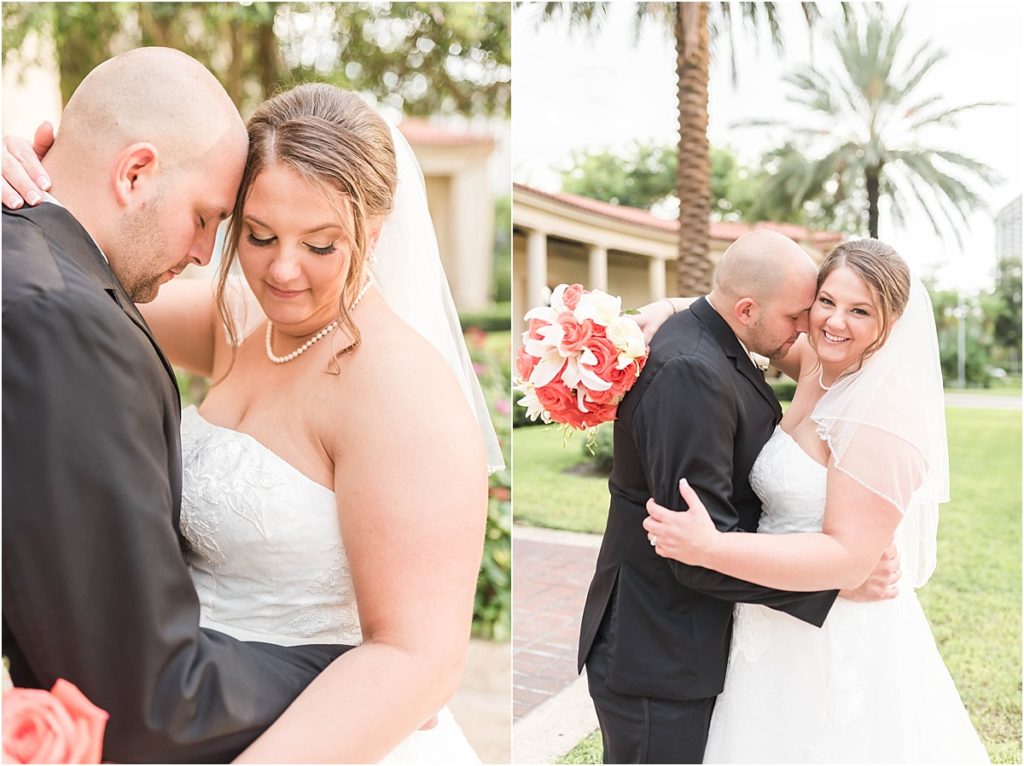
x,y
884,272
338,143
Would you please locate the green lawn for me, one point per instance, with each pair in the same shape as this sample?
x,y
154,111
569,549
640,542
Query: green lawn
x,y
543,494
973,601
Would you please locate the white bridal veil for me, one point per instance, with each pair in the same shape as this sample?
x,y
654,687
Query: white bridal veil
x,y
409,274
886,428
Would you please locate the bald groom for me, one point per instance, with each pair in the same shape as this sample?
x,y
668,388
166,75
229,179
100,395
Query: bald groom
x,y
655,633
95,589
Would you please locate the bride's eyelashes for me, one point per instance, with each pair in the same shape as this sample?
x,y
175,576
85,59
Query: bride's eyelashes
x,y
256,242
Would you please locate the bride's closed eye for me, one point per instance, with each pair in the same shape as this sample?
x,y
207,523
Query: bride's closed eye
x,y
255,241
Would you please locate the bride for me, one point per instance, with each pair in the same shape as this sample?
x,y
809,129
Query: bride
x,y
335,477
858,459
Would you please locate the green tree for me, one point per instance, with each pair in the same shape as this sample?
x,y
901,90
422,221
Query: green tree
x,y
422,58
867,128
978,334
644,175
1005,304
641,176
693,26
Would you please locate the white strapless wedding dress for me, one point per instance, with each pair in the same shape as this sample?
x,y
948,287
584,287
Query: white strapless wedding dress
x,y
868,687
268,562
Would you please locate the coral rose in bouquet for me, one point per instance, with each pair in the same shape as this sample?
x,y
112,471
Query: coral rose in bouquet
x,y
56,726
579,357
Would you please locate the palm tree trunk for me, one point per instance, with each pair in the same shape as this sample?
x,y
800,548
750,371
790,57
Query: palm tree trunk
x,y
693,174
872,182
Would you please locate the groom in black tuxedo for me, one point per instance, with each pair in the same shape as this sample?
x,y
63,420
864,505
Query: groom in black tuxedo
x,y
95,589
655,633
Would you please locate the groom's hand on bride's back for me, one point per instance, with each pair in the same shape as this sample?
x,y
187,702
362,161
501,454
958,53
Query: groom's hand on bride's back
x,y
882,583
24,179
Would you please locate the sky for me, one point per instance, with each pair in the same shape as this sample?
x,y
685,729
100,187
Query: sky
x,y
576,90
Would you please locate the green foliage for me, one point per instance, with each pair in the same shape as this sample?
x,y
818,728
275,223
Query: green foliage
x,y
1005,303
978,337
783,387
845,145
598,450
973,599
645,175
492,613
420,58
494,318
641,176
502,289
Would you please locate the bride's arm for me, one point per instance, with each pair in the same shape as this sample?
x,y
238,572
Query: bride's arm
x,y
184,321
857,528
412,494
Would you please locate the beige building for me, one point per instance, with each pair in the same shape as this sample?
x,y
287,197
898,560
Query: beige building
x,y
455,166
564,238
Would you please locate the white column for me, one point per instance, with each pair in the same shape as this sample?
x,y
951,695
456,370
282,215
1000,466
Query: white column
x,y
656,278
597,261
536,267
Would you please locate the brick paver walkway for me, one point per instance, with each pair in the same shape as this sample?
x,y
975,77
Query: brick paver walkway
x,y
550,581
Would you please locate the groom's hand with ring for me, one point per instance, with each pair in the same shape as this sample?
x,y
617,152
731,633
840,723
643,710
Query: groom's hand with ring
x,y
882,582
24,179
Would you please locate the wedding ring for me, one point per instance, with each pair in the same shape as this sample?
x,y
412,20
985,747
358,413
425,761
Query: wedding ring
x,y
653,539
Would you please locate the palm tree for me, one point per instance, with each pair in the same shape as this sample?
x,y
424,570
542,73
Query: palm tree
x,y
863,136
696,28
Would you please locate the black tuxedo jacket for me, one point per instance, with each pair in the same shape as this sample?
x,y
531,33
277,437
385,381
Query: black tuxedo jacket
x,y
95,589
699,410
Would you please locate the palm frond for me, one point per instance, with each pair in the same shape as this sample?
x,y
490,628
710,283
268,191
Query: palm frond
x,y
948,117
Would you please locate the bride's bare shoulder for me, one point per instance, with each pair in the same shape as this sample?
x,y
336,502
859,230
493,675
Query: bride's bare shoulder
x,y
396,376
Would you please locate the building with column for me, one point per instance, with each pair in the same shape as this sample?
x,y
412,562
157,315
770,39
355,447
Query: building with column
x,y
559,237
455,168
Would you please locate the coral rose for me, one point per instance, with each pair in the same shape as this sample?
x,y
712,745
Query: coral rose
x,y
58,726
571,296
525,362
575,335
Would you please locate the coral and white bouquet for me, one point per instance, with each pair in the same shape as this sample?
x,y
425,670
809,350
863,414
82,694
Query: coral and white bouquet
x,y
579,357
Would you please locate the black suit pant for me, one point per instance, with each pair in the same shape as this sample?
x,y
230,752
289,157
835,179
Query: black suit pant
x,y
646,729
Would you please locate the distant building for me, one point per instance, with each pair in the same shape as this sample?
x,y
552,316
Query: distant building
x,y
1008,231
560,237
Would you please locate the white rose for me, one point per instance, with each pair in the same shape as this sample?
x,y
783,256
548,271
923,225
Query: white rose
x,y
627,337
599,306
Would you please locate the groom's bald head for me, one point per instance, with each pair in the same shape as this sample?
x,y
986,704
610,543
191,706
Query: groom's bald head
x,y
148,158
153,95
764,285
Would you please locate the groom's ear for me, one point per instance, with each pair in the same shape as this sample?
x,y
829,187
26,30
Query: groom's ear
x,y
136,174
745,310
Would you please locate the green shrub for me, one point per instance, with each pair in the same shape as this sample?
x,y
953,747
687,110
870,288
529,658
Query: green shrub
x,y
598,450
784,388
495,318
491,354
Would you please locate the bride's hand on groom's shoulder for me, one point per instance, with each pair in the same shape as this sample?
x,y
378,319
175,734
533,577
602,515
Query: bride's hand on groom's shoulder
x,y
688,537
24,179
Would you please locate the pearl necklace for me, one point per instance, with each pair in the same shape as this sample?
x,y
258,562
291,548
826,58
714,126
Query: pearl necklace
x,y
324,331
822,382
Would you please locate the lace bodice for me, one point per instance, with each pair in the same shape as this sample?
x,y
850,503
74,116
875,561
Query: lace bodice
x,y
791,485
264,547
